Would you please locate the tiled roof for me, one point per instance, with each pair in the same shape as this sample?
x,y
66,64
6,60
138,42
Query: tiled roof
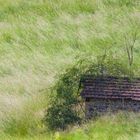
x,y
111,88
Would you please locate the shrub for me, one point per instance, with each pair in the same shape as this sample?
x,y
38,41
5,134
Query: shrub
x,y
62,111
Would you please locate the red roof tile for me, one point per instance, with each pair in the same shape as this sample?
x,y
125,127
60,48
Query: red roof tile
x,y
111,88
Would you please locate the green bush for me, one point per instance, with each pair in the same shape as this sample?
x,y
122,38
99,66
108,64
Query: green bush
x,y
60,116
62,111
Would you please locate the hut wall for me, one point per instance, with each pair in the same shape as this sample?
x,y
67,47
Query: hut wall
x,y
100,106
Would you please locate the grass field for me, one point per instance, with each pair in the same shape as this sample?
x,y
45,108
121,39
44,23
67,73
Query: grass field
x,y
39,39
115,127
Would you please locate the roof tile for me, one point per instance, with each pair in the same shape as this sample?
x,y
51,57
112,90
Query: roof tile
x,y
111,88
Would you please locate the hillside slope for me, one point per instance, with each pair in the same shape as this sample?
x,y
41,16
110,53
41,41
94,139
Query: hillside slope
x,y
40,38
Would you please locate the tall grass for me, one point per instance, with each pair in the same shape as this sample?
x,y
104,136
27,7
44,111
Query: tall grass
x,y
40,38
110,127
120,126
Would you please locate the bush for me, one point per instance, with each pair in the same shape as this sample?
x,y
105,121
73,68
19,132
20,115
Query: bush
x,y
60,116
62,111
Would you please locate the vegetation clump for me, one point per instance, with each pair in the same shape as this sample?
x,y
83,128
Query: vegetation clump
x,y
65,100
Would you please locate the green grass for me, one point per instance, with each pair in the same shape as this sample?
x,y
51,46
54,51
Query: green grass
x,y
122,126
39,39
115,127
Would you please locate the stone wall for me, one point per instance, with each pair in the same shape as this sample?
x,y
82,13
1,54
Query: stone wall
x,y
101,106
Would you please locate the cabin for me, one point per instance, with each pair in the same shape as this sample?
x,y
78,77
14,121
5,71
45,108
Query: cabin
x,y
110,94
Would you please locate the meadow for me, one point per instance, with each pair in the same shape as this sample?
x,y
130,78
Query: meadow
x,y
39,39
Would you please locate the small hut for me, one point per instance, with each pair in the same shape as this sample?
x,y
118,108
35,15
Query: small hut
x,y
110,94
